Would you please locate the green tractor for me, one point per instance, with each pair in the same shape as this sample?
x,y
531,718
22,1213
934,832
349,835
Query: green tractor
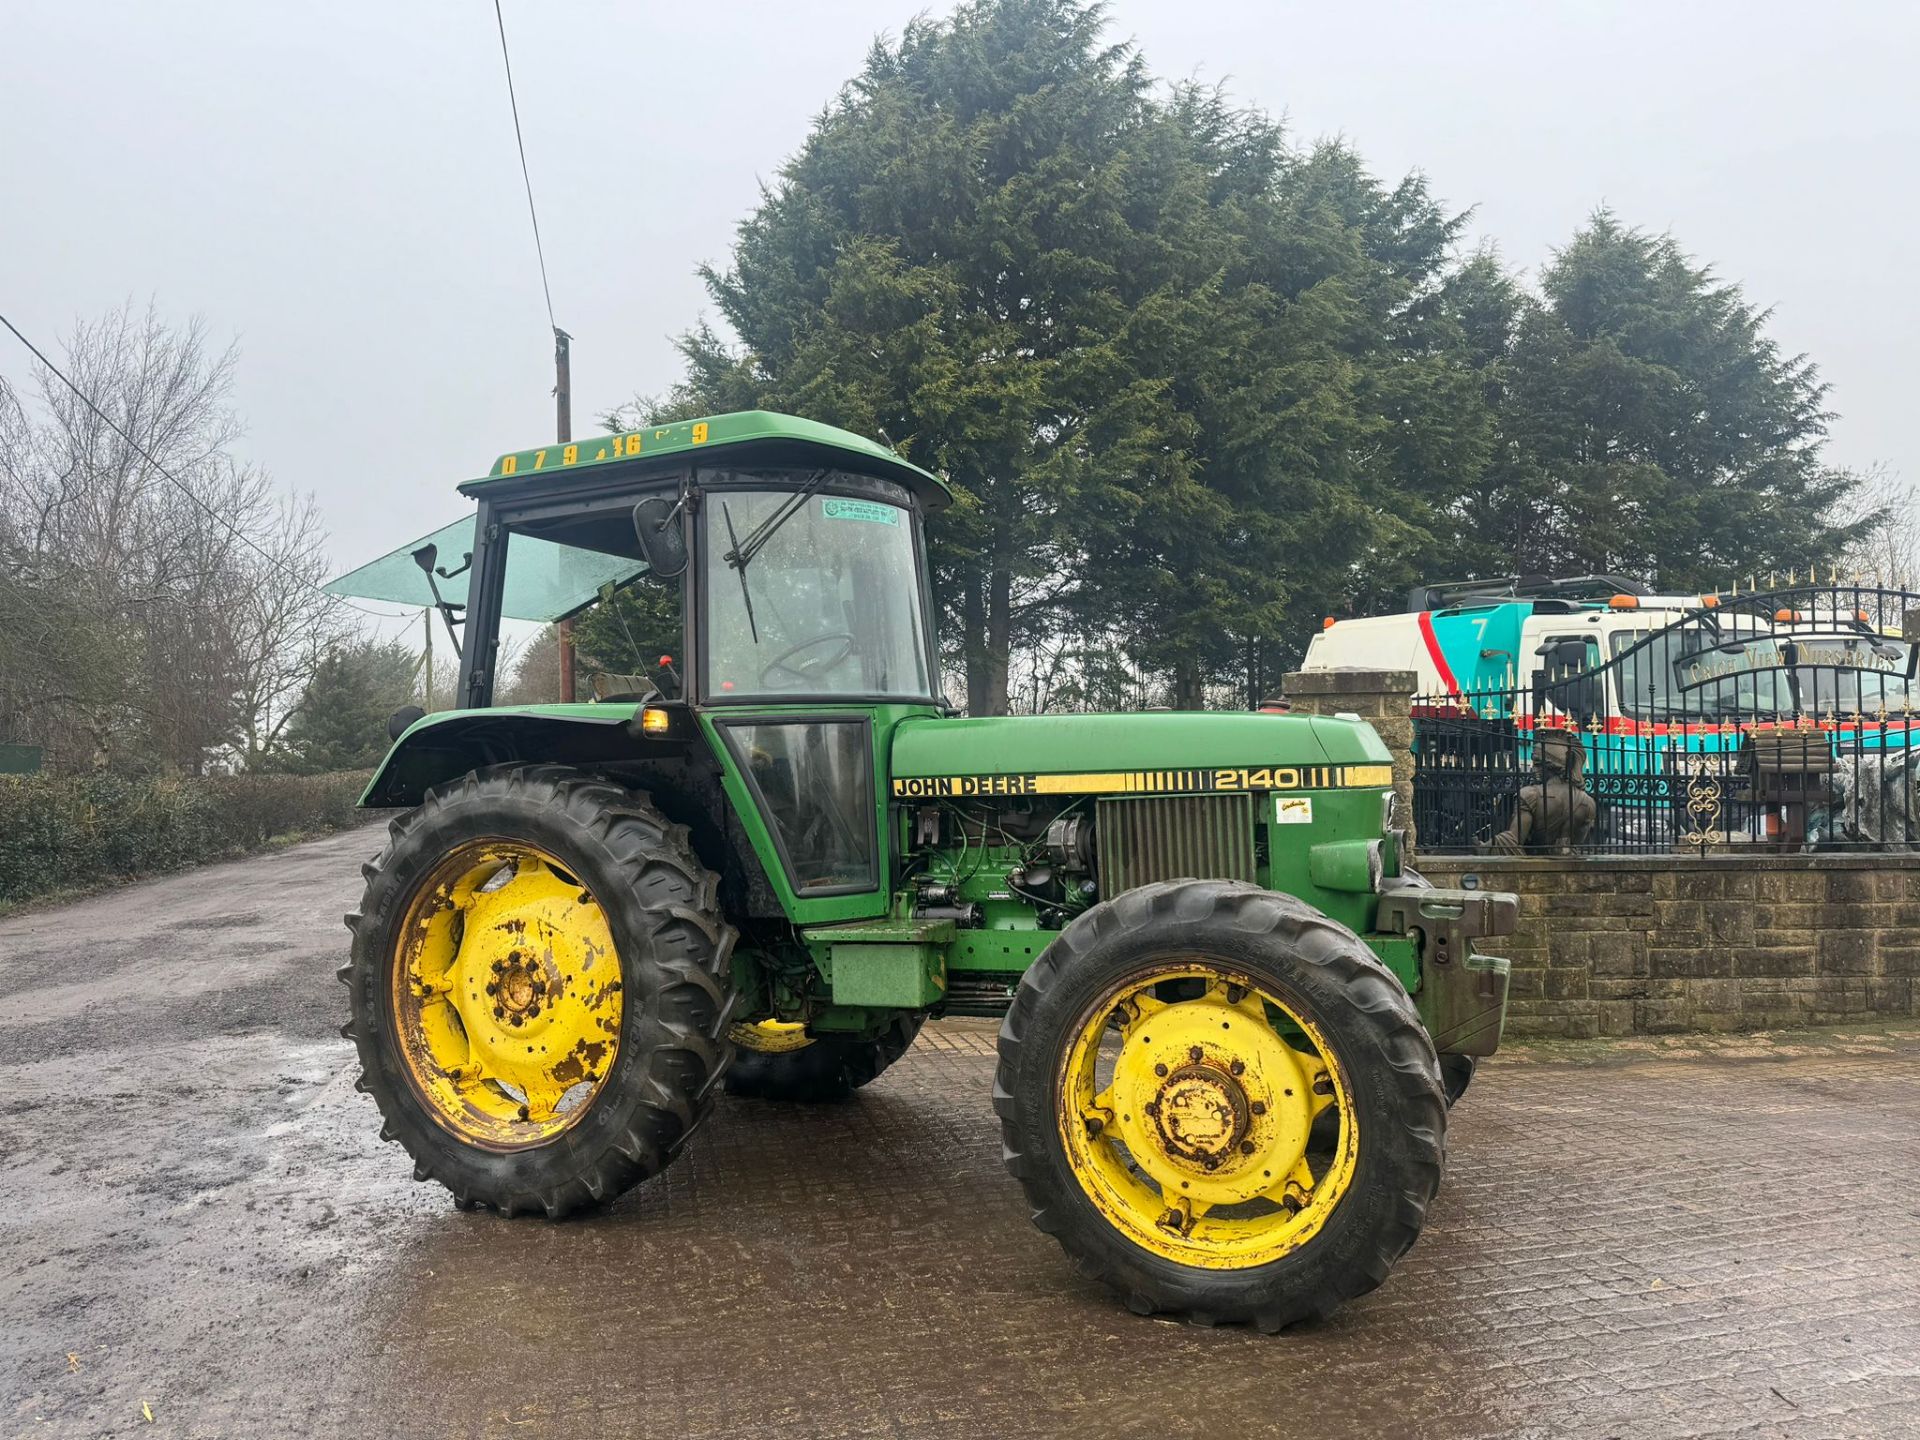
x,y
1233,1017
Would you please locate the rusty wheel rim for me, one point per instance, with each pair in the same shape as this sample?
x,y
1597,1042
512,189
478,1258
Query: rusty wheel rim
x,y
506,995
1191,1136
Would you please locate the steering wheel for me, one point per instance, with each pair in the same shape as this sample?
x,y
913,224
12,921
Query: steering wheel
x,y
806,672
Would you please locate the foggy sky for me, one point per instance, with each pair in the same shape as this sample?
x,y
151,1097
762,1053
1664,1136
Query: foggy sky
x,y
336,185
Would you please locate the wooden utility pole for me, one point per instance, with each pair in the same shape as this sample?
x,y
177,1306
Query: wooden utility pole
x,y
563,418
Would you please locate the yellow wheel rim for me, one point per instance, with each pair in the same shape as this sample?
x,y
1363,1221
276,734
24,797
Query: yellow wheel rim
x,y
507,993
1187,1120
771,1037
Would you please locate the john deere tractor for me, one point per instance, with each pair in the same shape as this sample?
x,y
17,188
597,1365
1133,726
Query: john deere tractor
x,y
1232,1014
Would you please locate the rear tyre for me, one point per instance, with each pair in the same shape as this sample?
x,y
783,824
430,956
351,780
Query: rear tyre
x,y
782,1062
540,988
1161,1071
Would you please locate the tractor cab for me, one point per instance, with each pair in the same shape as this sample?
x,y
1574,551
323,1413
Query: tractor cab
x,y
796,550
790,558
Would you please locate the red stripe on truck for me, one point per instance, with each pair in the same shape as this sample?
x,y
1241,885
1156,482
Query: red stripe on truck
x,y
1425,618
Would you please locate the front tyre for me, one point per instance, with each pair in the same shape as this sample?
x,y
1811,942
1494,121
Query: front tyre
x,y
1161,1070
540,988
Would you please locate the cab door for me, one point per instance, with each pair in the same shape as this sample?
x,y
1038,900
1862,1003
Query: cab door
x,y
810,779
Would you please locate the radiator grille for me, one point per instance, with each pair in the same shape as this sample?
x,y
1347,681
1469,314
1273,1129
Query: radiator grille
x,y
1144,838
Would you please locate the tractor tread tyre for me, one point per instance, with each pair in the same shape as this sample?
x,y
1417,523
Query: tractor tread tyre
x,y
821,1073
1456,1074
1308,959
674,950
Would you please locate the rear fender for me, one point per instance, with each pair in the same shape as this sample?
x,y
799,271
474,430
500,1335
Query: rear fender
x,y
445,746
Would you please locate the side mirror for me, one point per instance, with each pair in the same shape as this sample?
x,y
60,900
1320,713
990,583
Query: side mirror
x,y
662,540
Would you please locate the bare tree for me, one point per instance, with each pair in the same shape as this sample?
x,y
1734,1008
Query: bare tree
x,y
158,601
1888,548
283,625
535,670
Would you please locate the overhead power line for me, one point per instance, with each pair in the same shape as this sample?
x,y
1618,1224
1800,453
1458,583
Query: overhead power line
x,y
185,489
526,176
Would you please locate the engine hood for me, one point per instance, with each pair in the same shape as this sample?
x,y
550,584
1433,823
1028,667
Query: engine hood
x,y
1000,754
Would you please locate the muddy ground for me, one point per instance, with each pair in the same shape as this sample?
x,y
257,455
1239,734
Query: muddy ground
x,y
197,1220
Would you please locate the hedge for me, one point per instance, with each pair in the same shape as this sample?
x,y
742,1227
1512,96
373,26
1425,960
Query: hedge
x,y
65,832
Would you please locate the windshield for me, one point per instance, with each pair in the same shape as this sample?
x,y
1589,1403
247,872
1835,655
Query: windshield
x,y
1696,672
818,597
1761,676
1852,674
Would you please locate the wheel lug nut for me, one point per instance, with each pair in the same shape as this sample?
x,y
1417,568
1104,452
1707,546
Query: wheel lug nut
x,y
499,1012
1258,1107
1235,994
1094,1125
519,1020
1195,1053
1239,1067
1212,1162
1152,1108
532,1011
1246,1147
524,1114
1160,1070
493,987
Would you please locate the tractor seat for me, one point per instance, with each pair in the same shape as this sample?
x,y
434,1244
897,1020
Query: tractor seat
x,y
633,688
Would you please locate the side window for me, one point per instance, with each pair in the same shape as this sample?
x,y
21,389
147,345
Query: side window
x,y
620,640
1561,661
813,782
1569,665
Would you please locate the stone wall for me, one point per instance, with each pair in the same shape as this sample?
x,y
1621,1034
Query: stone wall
x,y
1656,944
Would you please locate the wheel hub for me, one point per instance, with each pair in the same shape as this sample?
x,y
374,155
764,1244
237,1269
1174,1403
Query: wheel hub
x,y
518,988
1213,1105
1201,1114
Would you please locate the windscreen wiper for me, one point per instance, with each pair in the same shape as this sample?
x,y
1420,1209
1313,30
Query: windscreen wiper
x,y
740,568
743,551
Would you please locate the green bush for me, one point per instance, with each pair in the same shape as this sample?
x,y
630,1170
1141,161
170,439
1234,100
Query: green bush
x,y
61,832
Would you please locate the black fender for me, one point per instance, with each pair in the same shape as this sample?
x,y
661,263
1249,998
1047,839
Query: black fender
x,y
446,745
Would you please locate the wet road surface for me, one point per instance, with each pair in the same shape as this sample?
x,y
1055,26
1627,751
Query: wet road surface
x,y
196,1216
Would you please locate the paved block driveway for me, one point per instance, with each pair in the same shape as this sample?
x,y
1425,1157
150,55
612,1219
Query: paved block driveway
x,y
196,1216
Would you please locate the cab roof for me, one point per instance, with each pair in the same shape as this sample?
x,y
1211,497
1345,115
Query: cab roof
x,y
744,437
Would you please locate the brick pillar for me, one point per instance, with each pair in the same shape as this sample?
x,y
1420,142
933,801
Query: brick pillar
x,y
1382,698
